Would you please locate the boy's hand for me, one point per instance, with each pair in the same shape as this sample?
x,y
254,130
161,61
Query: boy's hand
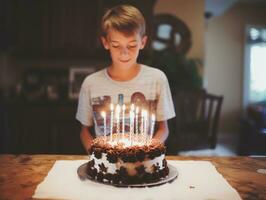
x,y
162,132
86,138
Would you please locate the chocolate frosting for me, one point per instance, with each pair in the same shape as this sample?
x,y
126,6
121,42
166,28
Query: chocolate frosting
x,y
126,153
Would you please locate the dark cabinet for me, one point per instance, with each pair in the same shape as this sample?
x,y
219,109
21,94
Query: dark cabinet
x,y
62,28
35,129
53,28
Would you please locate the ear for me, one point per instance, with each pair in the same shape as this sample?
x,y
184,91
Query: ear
x,y
105,43
143,41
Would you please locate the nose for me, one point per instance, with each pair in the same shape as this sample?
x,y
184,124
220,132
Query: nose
x,y
124,51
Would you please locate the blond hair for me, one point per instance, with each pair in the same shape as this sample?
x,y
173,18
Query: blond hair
x,y
123,18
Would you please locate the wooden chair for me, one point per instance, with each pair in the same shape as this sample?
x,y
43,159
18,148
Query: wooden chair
x,y
196,122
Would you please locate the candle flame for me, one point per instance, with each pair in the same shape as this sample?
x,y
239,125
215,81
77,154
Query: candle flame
x,y
103,114
146,113
112,107
153,117
117,110
137,110
143,113
132,107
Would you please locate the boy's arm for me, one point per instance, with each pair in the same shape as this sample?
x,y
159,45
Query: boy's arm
x,y
86,137
162,131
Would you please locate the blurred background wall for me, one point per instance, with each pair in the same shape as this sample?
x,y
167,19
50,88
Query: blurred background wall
x,y
55,37
224,57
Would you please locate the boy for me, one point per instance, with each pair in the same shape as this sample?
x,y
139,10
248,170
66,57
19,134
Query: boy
x,y
125,81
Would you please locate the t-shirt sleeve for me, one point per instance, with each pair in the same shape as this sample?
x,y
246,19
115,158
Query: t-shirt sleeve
x,y
165,106
84,111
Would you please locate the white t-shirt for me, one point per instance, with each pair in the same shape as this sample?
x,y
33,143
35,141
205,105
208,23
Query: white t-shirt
x,y
149,90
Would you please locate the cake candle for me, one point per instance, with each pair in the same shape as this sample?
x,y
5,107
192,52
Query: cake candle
x,y
104,123
131,122
123,120
152,125
137,121
111,121
142,122
145,124
117,113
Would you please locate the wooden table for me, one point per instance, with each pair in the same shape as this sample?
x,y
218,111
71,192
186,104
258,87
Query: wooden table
x,y
20,174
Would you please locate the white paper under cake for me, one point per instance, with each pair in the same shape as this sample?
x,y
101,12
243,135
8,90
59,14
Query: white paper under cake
x,y
196,180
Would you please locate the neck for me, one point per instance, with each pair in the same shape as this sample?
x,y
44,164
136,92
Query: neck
x,y
123,74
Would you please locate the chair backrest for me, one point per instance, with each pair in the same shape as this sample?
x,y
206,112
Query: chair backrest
x,y
197,118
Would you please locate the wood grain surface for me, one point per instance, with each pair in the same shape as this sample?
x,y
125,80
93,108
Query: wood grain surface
x,y
20,174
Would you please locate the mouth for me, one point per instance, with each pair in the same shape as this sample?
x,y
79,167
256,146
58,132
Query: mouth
x,y
124,61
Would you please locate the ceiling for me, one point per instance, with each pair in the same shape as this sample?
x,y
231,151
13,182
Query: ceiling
x,y
218,7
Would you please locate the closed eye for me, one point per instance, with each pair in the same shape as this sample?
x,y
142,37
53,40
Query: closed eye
x,y
132,46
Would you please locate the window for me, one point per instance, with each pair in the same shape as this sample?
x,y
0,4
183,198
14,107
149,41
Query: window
x,y
255,66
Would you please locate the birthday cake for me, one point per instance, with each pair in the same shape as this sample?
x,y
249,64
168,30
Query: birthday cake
x,y
127,161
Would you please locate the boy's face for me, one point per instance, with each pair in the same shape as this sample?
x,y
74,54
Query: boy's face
x,y
124,49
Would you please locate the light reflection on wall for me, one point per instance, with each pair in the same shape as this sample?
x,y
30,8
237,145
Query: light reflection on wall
x,y
258,72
